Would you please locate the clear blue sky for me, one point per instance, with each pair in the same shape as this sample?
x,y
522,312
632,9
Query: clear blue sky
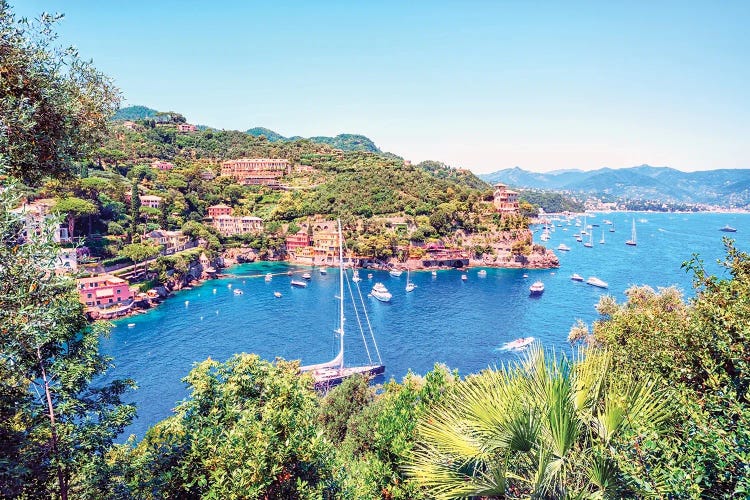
x,y
479,85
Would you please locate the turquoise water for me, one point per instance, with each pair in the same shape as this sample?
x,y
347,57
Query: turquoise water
x,y
445,320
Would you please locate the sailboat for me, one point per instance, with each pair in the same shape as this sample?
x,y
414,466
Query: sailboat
x,y
612,228
632,241
590,243
409,285
601,241
333,372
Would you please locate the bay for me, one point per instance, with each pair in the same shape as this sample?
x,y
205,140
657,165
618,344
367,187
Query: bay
x,y
445,320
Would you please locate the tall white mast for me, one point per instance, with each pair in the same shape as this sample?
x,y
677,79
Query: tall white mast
x,y
341,296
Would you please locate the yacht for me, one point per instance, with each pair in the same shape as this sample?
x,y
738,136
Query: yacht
x,y
482,273
395,272
728,229
307,276
299,283
632,241
563,247
576,277
434,273
537,288
380,292
464,277
594,281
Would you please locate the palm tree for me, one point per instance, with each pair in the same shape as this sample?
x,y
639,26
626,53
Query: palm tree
x,y
542,427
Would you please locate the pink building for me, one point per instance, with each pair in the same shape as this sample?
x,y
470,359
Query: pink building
x,y
298,240
103,290
162,165
256,171
505,200
220,209
186,127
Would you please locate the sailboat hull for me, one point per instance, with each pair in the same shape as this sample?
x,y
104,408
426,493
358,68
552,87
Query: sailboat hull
x,y
327,378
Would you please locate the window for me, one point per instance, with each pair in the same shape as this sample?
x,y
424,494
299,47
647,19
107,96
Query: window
x,y
88,295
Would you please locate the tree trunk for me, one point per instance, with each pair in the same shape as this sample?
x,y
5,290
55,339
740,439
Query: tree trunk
x,y
62,482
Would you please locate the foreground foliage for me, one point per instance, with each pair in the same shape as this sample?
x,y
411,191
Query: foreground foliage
x,y
544,427
702,350
56,424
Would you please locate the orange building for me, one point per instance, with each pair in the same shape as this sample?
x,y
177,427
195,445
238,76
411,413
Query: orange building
x,y
220,209
256,171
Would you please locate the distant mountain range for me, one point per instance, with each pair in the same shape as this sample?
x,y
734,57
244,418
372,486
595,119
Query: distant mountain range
x,y
727,187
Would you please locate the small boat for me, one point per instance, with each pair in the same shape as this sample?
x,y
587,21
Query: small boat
x,y
369,276
380,292
525,275
131,325
537,288
579,239
482,273
299,283
576,277
517,344
356,278
187,303
395,272
612,228
728,229
307,276
229,285
632,241
269,277
601,241
409,285
237,291
464,277
323,270
434,273
277,295
590,243
563,247
594,281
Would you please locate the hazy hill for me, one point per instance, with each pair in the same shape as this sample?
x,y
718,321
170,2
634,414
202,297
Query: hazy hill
x,y
720,187
344,142
134,113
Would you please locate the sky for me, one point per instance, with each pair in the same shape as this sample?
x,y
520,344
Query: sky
x,y
480,85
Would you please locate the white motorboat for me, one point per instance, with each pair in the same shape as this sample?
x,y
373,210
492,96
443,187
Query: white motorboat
x,y
395,272
299,283
237,291
464,277
576,277
482,273
323,270
380,292
517,344
537,288
307,276
277,295
594,281
563,247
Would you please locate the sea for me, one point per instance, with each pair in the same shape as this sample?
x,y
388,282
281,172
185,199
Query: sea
x,y
463,324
